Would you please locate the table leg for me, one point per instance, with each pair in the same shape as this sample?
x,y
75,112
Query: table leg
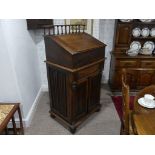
x,y
14,125
21,122
6,131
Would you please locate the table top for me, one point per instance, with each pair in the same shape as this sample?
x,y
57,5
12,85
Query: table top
x,y
7,110
145,124
144,118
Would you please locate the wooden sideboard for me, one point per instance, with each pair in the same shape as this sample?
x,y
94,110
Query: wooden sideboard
x,y
74,66
122,40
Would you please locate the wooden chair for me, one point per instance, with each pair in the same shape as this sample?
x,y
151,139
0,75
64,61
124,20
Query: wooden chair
x,y
127,126
125,106
7,111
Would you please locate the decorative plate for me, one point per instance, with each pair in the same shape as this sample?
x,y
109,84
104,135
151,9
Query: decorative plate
x,y
145,32
149,45
146,20
152,32
135,45
126,20
136,32
143,103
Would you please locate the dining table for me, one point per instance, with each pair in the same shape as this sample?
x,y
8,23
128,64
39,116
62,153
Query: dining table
x,y
143,118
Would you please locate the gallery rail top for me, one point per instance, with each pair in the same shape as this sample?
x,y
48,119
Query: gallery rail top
x,y
63,29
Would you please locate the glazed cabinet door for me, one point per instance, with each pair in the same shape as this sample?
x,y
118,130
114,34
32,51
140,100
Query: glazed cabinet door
x,y
80,96
94,90
123,35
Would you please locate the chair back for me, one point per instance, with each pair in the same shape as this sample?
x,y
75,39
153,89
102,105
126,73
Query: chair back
x,y
125,99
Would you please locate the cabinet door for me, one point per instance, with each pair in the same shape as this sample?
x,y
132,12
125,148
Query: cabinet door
x,y
116,81
57,81
80,96
131,79
146,78
94,91
123,35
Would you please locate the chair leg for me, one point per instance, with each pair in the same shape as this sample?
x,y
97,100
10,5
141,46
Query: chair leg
x,y
121,130
21,122
14,126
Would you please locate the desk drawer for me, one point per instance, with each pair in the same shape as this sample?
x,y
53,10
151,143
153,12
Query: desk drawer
x,y
126,63
147,64
90,70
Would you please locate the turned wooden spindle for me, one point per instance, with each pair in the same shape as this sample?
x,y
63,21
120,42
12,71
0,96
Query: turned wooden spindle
x,y
65,29
54,30
49,31
79,28
61,29
58,29
73,29
83,28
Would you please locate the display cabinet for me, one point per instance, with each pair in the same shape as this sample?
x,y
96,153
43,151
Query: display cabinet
x,y
122,41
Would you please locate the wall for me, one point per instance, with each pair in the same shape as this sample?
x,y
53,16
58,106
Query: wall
x,y
8,84
24,61
39,41
106,34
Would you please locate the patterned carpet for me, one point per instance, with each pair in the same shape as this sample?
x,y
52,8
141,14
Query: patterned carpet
x,y
105,122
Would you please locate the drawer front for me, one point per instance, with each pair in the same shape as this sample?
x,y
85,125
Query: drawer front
x,y
126,63
131,79
148,64
86,72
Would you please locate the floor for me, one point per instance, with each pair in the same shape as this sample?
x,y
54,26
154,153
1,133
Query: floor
x,y
105,122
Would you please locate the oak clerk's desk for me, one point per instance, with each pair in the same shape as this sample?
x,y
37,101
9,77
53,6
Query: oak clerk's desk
x,y
74,69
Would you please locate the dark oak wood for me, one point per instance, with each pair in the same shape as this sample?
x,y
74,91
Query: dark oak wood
x,y
10,116
33,24
126,124
144,118
123,35
144,124
125,106
122,40
137,78
74,70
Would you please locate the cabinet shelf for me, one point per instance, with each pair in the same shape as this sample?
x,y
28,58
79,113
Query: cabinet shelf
x,y
143,38
137,22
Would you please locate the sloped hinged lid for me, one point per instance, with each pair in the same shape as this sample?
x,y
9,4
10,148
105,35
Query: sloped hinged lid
x,y
73,50
75,43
